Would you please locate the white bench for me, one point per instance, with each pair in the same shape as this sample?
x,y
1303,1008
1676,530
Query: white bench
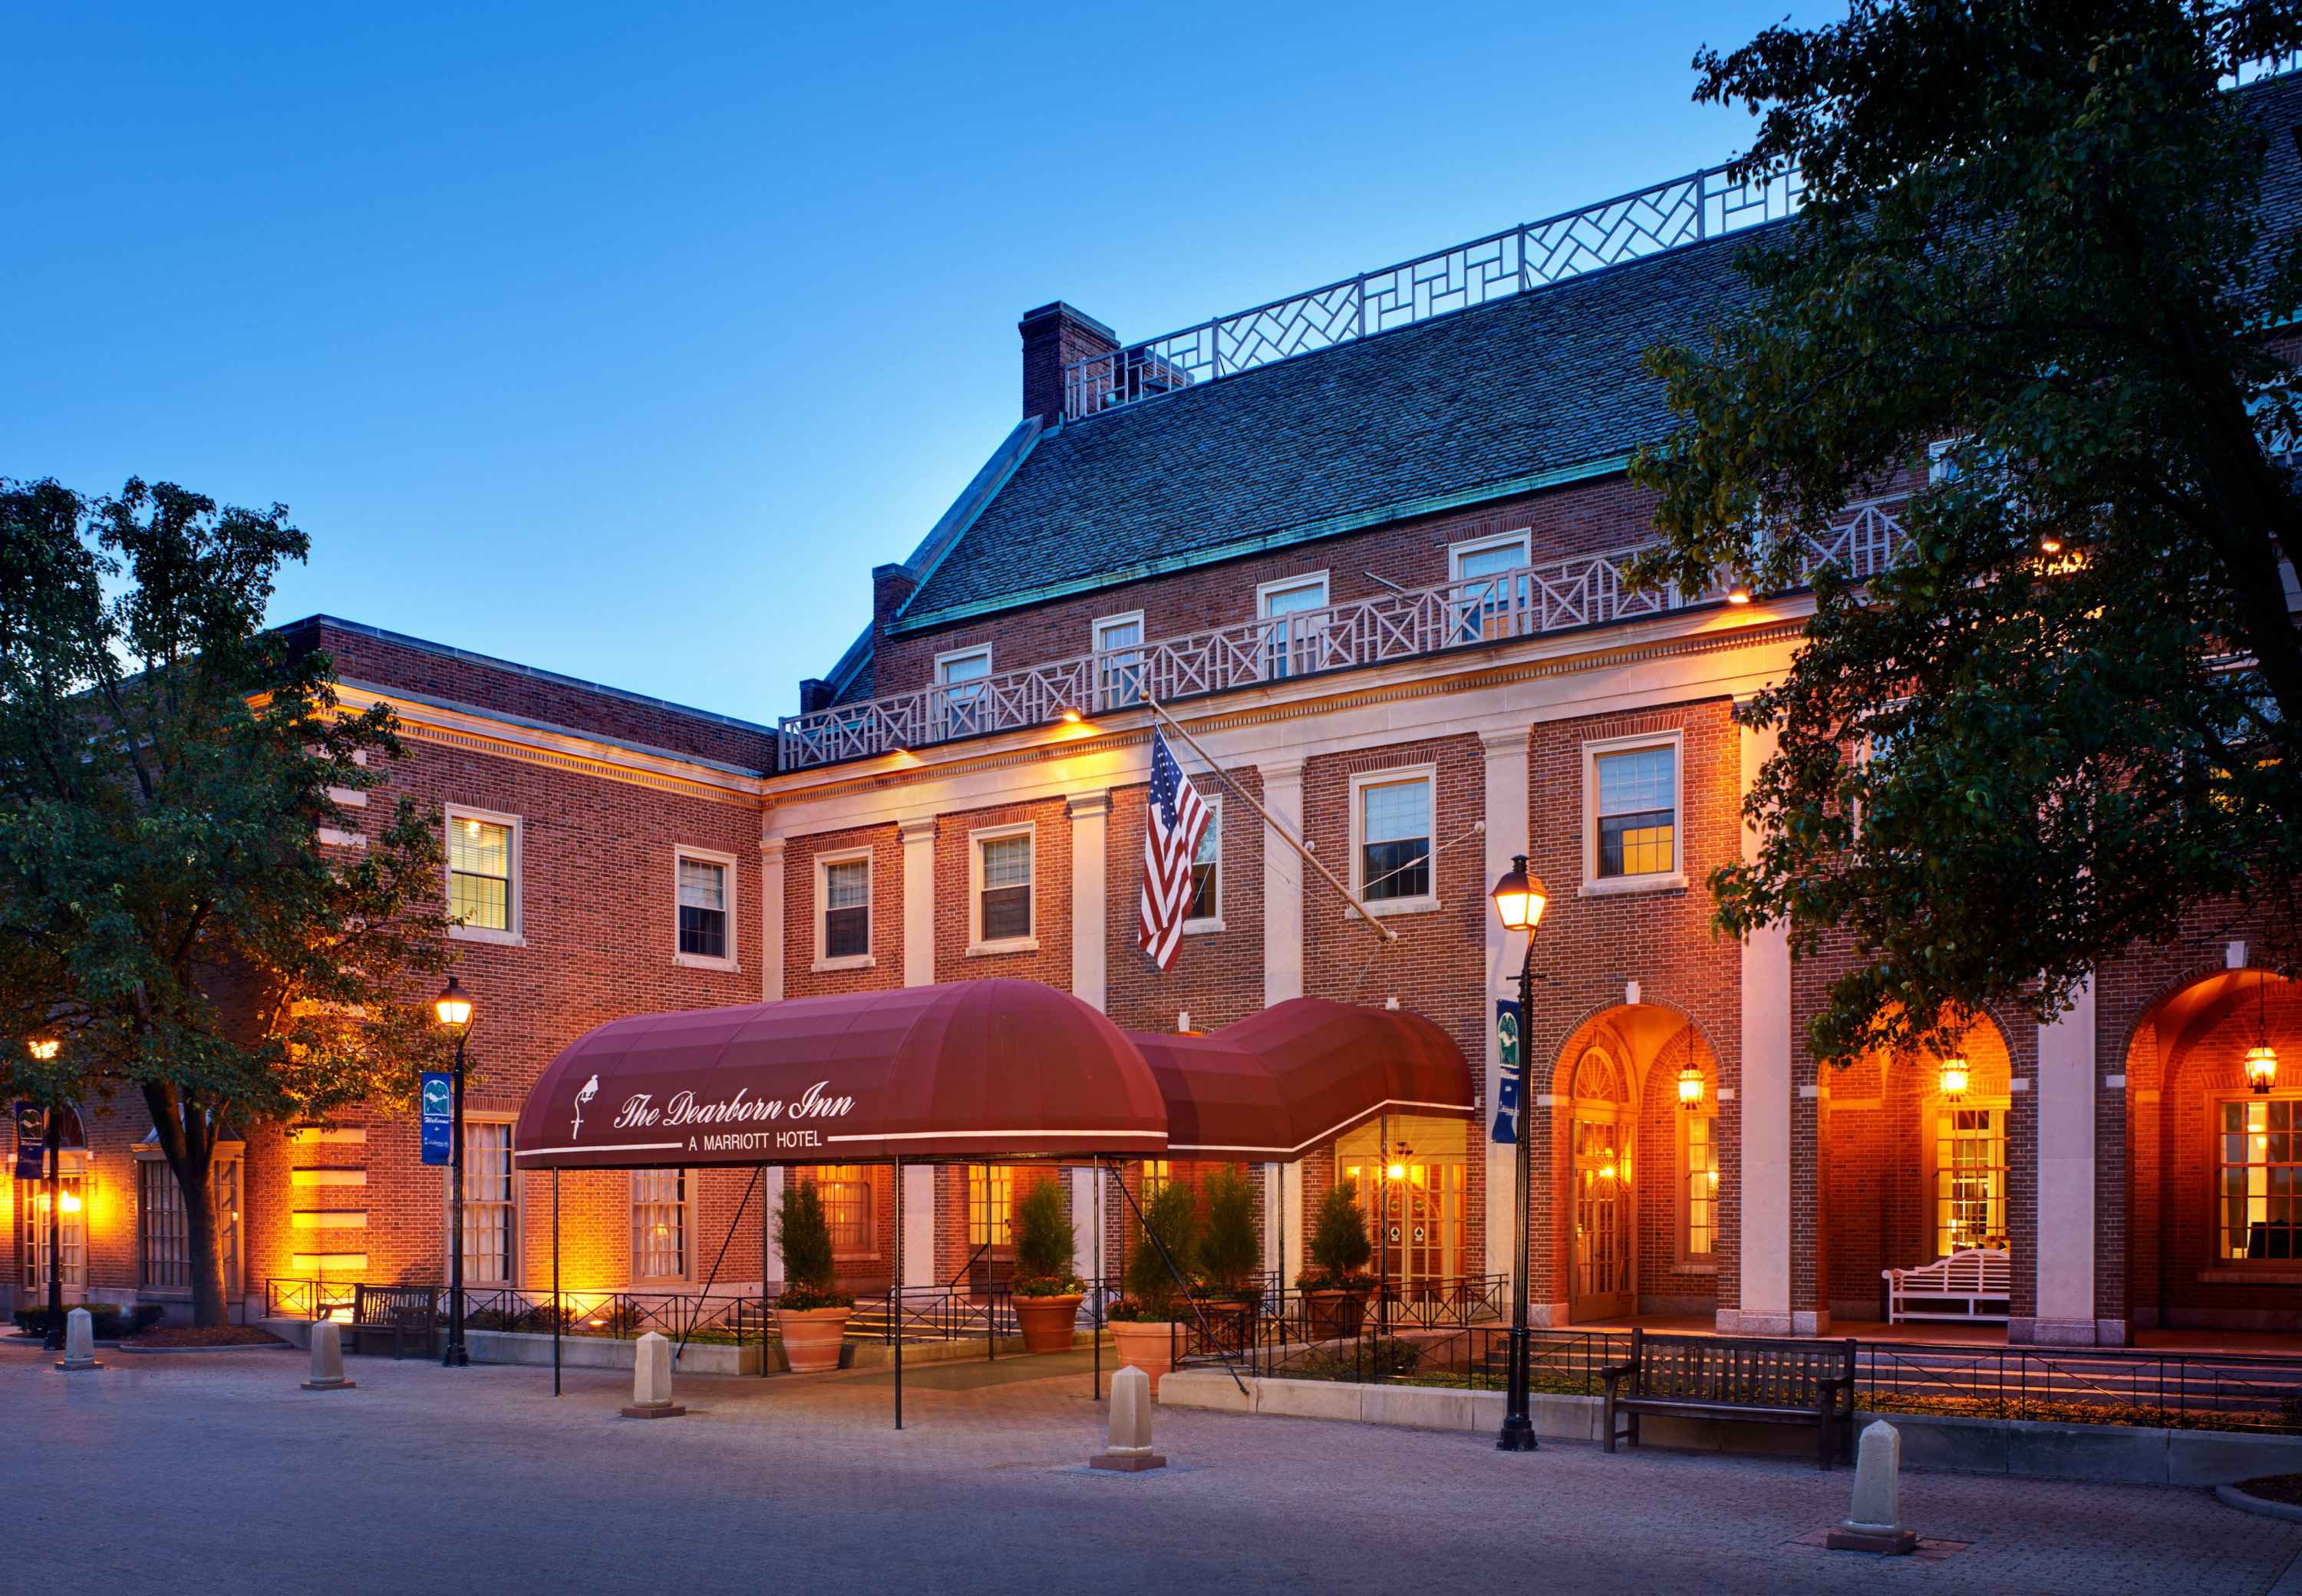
x,y
1974,1284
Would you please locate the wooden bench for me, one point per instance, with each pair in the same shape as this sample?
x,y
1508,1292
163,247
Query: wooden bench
x,y
1728,1377
1980,1280
398,1312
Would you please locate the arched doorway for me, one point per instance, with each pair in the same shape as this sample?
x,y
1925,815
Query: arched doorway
x,y
66,1250
1600,1130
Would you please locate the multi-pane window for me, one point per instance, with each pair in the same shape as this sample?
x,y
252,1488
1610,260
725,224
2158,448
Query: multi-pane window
x,y
702,908
479,873
1637,811
1492,587
2256,1204
845,1189
1157,1174
1006,886
1290,646
161,1235
1700,1176
660,1224
990,1204
962,677
1119,661
847,908
1395,840
490,1214
1969,1179
1206,869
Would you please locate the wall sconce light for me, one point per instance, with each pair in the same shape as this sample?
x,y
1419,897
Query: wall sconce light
x,y
2262,1058
1953,1079
1690,1087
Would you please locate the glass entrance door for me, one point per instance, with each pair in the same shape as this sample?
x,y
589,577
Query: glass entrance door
x,y
1602,1217
71,1239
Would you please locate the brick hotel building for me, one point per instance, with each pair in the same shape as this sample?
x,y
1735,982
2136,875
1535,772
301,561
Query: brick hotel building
x,y
1366,543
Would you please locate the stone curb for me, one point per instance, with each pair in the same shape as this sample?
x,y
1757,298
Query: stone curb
x,y
172,1351
2232,1495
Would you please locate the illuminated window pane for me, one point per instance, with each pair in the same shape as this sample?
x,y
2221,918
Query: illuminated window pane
x,y
660,1224
2257,1191
479,873
1970,1180
1637,813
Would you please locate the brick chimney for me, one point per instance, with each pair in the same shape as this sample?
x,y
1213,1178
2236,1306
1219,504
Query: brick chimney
x,y
1054,336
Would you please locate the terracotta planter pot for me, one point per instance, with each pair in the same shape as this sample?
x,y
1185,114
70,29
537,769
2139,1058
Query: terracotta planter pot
x,y
1047,1322
1334,1314
811,1337
1228,1323
1150,1348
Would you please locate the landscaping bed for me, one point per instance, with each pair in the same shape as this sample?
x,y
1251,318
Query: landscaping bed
x,y
178,1337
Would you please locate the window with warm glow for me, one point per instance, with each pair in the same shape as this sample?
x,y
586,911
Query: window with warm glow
x,y
479,873
660,1224
1699,1186
990,1205
2257,1209
491,1210
1637,811
846,1192
1969,1179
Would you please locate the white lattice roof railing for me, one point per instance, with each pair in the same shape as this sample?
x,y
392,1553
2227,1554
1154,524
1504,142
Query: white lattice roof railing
x,y
1664,216
1583,589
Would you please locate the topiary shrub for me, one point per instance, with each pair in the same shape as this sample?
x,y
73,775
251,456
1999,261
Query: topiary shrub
x,y
1339,1245
1045,1240
1174,1217
810,1277
1229,1252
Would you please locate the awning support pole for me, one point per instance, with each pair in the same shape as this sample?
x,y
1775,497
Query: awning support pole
x,y
1096,1322
765,1239
558,1312
896,1294
695,1315
1176,1274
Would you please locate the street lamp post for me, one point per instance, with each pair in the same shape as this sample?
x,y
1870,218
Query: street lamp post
x,y
454,1009
51,1140
1520,901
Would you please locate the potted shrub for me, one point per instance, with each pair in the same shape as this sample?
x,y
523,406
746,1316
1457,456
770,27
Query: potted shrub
x,y
1231,1257
1335,1286
1047,1294
1143,1321
810,1316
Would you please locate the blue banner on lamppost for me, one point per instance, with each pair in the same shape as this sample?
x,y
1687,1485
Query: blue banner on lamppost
x,y
438,1100
1507,1089
31,1142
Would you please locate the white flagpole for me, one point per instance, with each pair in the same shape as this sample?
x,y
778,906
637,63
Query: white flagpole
x,y
1291,840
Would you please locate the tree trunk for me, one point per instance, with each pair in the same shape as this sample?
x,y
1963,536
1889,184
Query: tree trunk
x,y
186,1133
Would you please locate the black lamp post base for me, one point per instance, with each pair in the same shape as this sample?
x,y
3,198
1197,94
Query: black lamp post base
x,y
1518,1436
456,1358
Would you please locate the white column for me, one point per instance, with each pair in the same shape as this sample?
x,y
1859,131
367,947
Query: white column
x,y
1272,1219
2066,1195
918,836
1283,885
1507,820
1090,815
1083,1193
919,1225
1290,1220
1765,1098
771,919
771,1193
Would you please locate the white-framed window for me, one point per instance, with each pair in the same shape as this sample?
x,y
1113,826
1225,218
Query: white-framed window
x,y
1393,818
990,1205
1970,1176
1205,912
842,909
1120,659
963,698
1002,917
845,1189
660,1224
483,867
162,1239
1290,638
490,1204
1490,584
1698,1185
703,887
1631,808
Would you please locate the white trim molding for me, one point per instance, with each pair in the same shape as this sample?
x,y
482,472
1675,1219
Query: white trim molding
x,y
1593,886
515,905
823,863
732,960
1398,775
977,947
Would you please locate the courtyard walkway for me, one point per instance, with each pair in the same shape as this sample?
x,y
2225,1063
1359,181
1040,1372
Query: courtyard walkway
x,y
212,1472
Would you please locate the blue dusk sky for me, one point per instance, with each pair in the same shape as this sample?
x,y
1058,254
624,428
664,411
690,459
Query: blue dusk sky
x,y
622,341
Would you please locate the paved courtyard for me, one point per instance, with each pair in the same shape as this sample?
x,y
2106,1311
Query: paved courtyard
x,y
214,1472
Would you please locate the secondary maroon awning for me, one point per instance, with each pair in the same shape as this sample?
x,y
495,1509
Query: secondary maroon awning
x,y
1277,1084
971,1069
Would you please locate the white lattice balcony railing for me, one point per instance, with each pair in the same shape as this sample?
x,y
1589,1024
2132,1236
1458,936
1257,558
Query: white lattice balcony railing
x,y
1584,590
1665,215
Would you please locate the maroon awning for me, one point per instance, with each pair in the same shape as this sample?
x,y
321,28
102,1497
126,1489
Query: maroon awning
x,y
1277,1084
971,1069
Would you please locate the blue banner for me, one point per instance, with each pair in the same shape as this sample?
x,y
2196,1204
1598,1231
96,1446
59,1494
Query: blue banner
x,y
438,1102
31,1142
1506,1089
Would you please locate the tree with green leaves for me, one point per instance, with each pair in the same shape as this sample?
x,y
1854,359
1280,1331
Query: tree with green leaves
x,y
2036,246
169,915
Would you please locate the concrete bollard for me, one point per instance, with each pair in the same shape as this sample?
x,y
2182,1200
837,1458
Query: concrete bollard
x,y
652,1380
1129,1448
328,1359
1874,1522
79,1342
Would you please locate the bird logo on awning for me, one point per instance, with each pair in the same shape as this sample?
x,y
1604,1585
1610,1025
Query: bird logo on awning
x,y
591,1090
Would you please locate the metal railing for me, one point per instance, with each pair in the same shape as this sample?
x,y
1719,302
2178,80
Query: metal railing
x,y
1582,590
1651,221
1276,1320
2133,1386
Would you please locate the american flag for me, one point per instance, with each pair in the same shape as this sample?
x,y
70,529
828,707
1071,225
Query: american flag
x,y
1171,841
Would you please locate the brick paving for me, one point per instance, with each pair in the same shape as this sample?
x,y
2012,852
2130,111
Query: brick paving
x,y
214,1472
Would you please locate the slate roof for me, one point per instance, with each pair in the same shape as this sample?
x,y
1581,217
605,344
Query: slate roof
x,y
1542,382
